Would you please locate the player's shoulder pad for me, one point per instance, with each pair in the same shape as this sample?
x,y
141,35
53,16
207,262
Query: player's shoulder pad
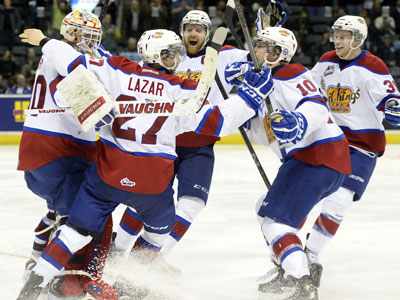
x,y
373,63
329,56
289,71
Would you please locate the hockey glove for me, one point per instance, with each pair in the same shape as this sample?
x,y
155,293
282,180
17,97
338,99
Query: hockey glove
x,y
256,87
234,72
288,126
392,112
274,15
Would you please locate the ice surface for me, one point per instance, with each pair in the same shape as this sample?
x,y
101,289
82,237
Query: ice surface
x,y
223,253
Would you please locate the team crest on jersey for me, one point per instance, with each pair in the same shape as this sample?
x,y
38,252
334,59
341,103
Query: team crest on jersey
x,y
340,98
268,130
329,70
190,75
127,182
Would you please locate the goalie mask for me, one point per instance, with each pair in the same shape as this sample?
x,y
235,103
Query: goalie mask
x,y
83,30
155,46
197,17
355,24
280,41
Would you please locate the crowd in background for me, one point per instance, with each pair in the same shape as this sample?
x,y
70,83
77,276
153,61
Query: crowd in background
x,y
126,20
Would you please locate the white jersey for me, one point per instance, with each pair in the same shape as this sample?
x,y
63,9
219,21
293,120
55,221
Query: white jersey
x,y
192,68
47,137
324,143
142,149
356,93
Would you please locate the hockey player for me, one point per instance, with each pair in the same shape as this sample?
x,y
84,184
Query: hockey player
x,y
360,93
195,161
313,150
54,154
135,159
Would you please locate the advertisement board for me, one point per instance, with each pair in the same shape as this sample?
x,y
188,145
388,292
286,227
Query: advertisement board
x,y
10,125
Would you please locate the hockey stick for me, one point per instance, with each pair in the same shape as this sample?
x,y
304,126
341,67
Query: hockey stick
x,y
228,17
233,5
103,10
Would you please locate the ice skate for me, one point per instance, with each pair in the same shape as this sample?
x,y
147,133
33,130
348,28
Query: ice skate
x,y
278,284
304,289
31,290
162,266
29,265
60,290
315,267
127,290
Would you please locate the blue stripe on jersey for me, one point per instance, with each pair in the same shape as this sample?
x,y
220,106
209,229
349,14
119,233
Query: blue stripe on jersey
x,y
58,134
82,62
150,76
316,99
168,156
362,130
205,118
103,52
383,101
319,142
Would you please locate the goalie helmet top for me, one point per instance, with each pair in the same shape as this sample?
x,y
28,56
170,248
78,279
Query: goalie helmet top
x,y
156,44
278,36
197,17
82,29
354,24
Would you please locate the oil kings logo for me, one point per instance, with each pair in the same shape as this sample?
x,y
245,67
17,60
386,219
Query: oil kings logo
x,y
189,75
340,98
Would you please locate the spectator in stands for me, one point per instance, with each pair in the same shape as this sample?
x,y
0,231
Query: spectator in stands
x,y
31,59
386,51
131,51
111,34
10,22
395,13
385,24
353,7
134,20
8,67
3,86
60,10
29,74
218,19
158,15
315,8
179,9
20,87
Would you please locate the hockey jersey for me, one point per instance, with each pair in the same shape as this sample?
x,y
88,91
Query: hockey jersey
x,y
324,143
357,91
47,137
192,68
137,153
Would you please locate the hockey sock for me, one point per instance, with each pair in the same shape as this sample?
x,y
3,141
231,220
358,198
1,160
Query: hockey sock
x,y
324,229
42,233
144,251
128,229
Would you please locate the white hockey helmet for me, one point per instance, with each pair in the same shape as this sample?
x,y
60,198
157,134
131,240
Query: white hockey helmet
x,y
354,24
197,17
154,44
82,29
281,37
